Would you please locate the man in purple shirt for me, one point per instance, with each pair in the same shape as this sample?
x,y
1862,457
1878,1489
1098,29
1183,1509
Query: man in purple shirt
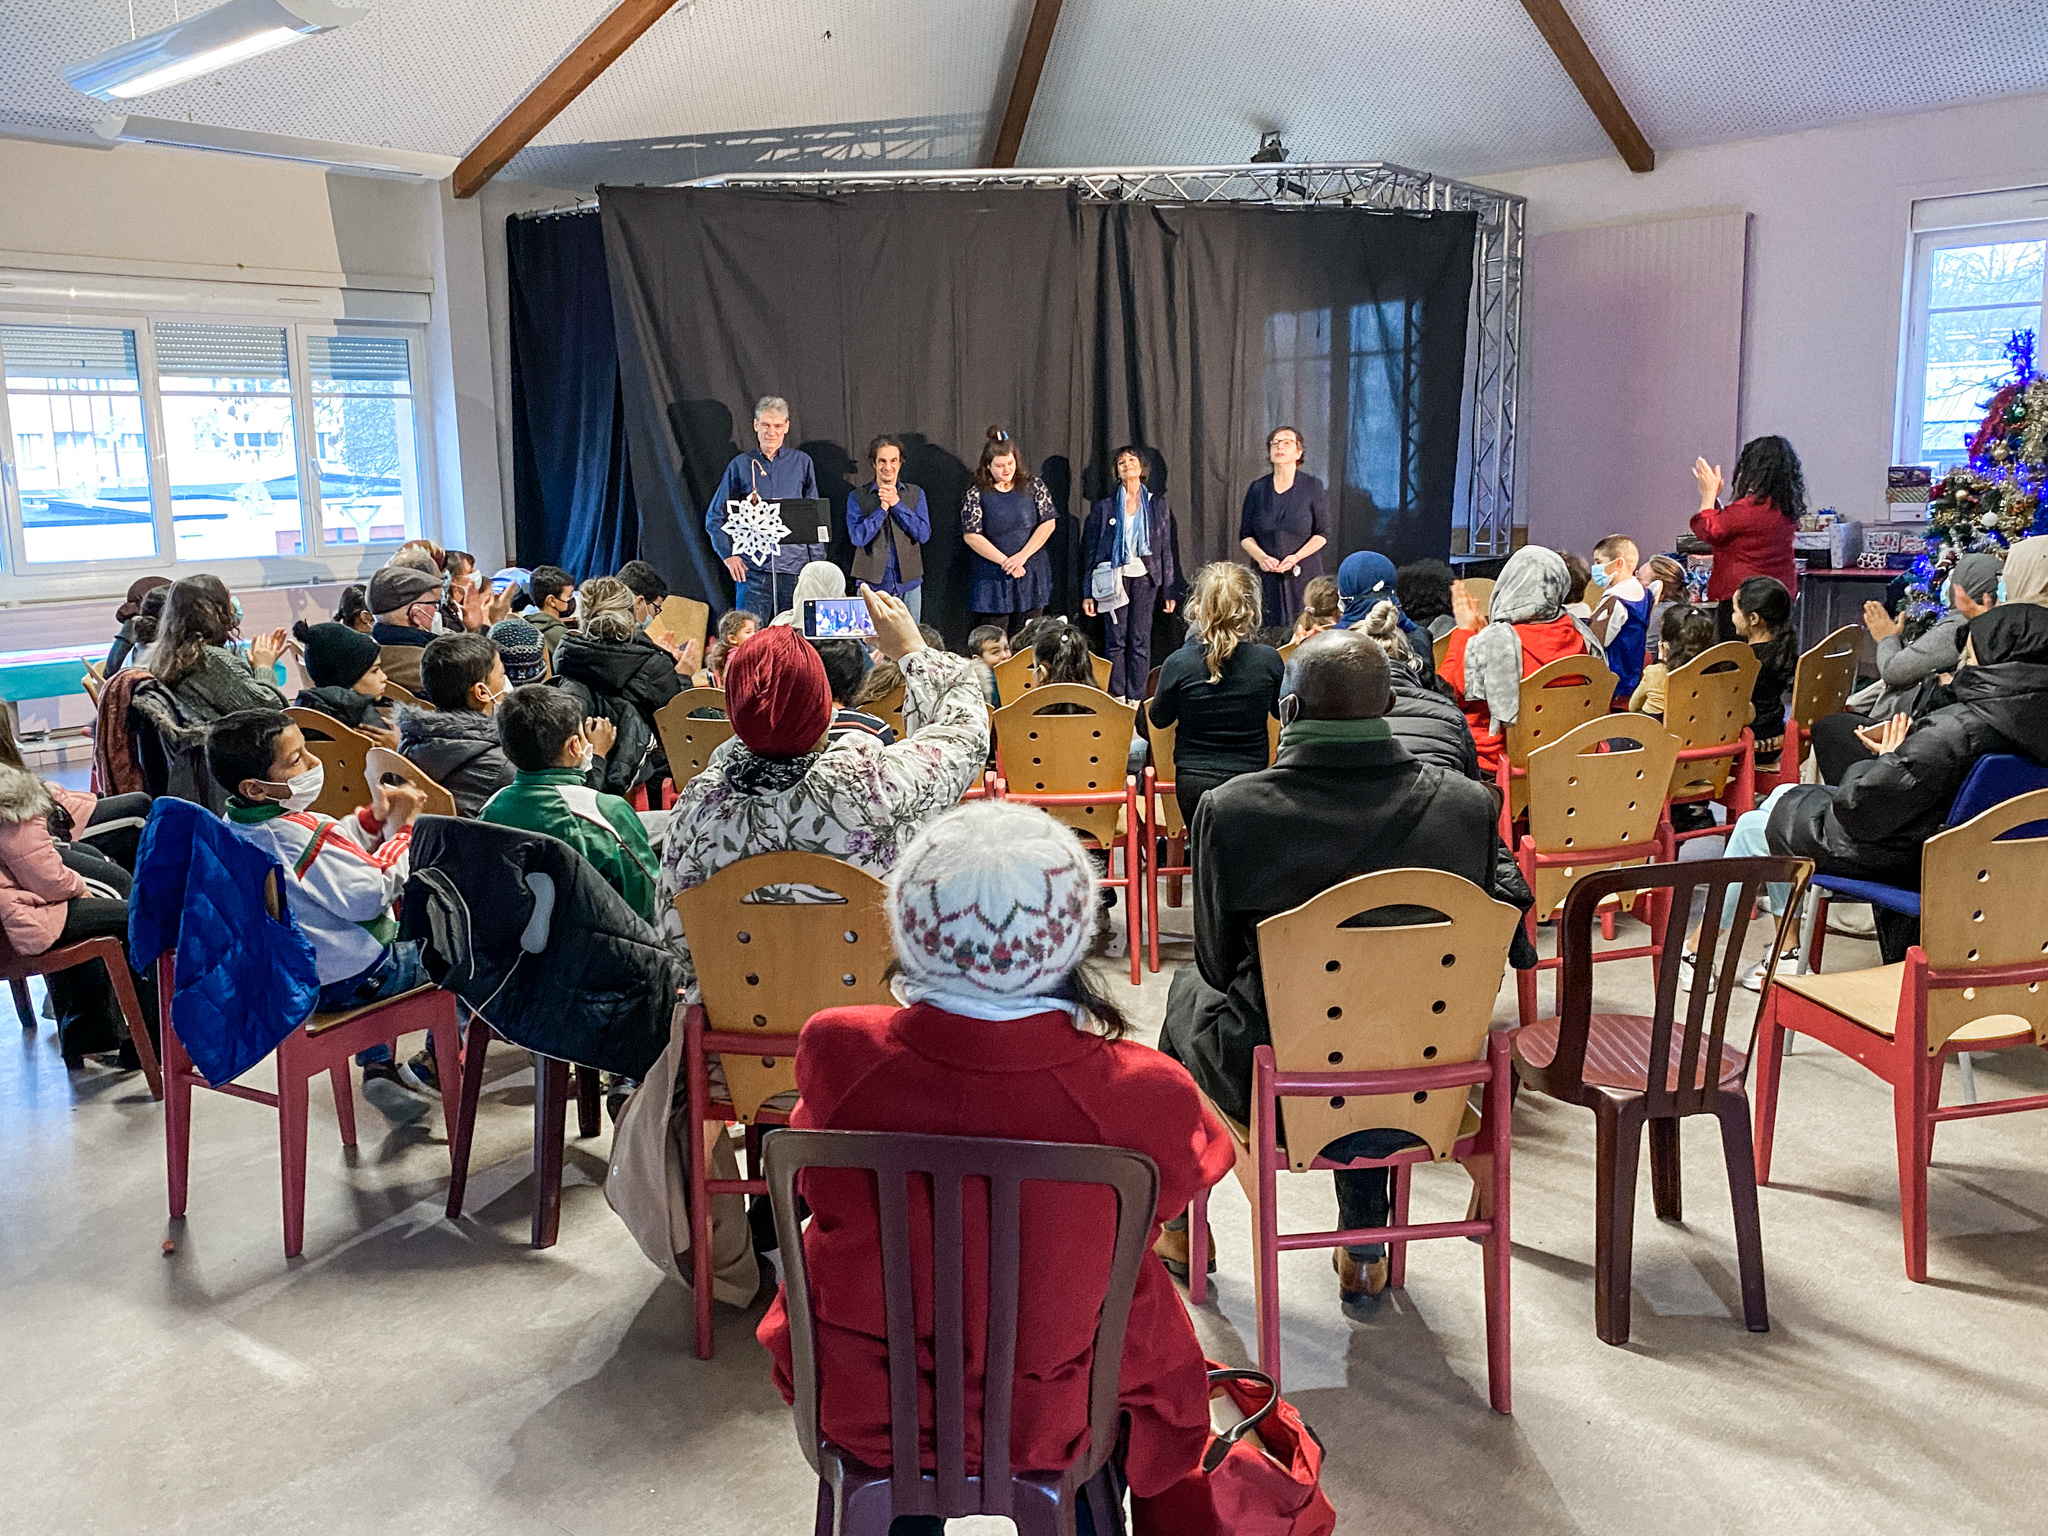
x,y
777,473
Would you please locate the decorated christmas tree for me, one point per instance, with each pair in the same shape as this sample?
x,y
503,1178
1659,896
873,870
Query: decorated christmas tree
x,y
1997,498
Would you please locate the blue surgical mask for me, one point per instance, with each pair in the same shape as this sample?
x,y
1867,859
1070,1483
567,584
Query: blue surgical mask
x,y
1600,576
2001,589
236,604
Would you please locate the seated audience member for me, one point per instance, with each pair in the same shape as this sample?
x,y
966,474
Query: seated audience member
x,y
460,566
1524,628
1763,618
1423,717
346,669
421,555
341,877
522,650
406,602
846,668
988,648
1219,689
883,678
456,742
1578,576
1872,825
1027,1047
733,627
1060,654
620,675
554,602
1364,581
1423,589
1622,621
1320,604
650,591
138,627
782,784
816,582
353,608
2026,572
1687,632
61,884
1668,587
553,745
1342,799
192,659
1905,664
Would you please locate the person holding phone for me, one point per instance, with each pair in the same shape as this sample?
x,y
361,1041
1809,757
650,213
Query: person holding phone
x,y
888,523
1007,520
775,473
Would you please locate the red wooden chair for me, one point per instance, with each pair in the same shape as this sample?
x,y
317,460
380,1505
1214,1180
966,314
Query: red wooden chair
x,y
326,1042
1707,707
763,968
1596,801
1976,981
1351,1052
1072,765
17,968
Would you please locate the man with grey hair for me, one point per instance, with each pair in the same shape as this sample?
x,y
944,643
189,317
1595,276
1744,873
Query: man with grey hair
x,y
776,473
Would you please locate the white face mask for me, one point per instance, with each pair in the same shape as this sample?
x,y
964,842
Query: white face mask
x,y
589,757
304,788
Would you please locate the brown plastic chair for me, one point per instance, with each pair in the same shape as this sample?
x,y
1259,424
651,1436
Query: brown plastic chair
x,y
550,1126
1707,707
763,968
1821,685
1631,1070
381,765
344,753
858,1500
689,743
1557,697
17,968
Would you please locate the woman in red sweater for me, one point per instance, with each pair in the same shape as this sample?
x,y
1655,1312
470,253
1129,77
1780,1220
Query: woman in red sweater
x,y
993,907
1752,535
1525,627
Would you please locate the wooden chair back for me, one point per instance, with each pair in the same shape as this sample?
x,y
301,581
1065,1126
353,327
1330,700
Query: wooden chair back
x,y
890,708
1480,590
382,766
1015,676
1068,753
689,743
1825,677
1688,1031
1330,1004
395,694
1166,816
1581,796
1441,647
94,680
1558,697
344,753
1984,905
685,619
775,939
1707,704
957,1201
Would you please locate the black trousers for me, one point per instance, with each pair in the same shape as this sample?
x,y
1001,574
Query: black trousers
x,y
1008,623
115,828
82,998
1835,747
1189,787
1129,631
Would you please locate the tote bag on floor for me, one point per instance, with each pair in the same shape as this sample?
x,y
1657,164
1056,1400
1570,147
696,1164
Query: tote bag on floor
x,y
1261,1475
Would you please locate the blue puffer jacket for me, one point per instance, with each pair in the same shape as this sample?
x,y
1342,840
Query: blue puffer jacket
x,y
245,979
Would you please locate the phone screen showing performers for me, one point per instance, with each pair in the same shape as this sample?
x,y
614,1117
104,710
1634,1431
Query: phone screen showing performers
x,y
837,618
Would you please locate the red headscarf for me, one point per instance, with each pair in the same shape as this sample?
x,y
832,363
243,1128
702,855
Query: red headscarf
x,y
776,693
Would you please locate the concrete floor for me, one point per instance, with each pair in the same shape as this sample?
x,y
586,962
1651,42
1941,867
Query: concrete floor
x,y
414,1375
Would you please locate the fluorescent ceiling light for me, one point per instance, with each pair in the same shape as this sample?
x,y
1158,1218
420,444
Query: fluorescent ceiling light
x,y
200,44
358,159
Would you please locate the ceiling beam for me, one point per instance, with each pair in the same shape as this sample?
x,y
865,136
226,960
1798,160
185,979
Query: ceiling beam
x,y
564,83
1045,15
1562,34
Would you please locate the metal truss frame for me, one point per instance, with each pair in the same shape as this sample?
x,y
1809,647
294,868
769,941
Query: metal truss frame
x,y
1494,370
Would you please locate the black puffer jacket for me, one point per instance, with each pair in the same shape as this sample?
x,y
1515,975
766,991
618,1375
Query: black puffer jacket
x,y
1429,723
625,682
1872,824
594,983
344,704
458,749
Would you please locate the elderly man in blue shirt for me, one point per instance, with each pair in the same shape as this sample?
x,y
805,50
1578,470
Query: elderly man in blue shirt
x,y
777,473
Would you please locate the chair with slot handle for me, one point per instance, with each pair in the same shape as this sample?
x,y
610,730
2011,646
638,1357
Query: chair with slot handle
x,y
1707,707
1558,697
1821,685
344,753
689,739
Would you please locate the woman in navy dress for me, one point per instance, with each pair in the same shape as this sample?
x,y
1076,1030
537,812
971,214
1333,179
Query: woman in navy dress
x,y
1285,525
1006,520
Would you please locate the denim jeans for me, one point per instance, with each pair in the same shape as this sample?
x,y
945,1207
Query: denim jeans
x,y
399,970
1365,1195
914,601
1747,840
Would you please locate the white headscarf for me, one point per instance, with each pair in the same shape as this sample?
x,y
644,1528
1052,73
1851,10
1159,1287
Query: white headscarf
x,y
817,580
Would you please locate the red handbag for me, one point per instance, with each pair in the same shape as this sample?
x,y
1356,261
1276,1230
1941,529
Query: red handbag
x,y
1261,1477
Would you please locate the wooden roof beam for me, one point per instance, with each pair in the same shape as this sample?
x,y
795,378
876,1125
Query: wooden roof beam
x,y
591,57
1562,33
1045,16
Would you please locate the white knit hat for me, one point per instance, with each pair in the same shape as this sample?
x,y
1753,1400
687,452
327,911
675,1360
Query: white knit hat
x,y
992,900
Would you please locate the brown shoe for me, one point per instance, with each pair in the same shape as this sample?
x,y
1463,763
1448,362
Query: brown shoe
x,y
1357,1278
1173,1246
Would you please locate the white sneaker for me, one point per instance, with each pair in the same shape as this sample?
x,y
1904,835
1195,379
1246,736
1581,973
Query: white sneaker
x,y
1686,960
1754,980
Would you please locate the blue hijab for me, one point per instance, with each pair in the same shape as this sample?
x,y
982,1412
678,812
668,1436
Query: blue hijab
x,y
1364,580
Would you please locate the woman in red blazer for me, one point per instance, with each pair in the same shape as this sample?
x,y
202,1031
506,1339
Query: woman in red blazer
x,y
993,907
1752,535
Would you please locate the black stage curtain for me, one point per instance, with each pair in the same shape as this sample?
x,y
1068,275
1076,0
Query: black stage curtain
x,y
572,485
934,313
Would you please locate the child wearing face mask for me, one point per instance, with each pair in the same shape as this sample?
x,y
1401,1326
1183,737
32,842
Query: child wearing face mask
x,y
341,877
555,748
1621,622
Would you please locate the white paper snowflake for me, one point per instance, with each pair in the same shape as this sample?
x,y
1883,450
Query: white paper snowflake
x,y
755,528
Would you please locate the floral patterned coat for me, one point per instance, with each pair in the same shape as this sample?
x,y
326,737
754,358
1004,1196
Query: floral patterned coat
x,y
857,800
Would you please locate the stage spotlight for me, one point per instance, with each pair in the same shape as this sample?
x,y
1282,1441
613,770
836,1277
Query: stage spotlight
x,y
1270,151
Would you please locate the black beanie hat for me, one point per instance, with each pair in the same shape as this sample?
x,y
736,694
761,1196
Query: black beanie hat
x,y
336,656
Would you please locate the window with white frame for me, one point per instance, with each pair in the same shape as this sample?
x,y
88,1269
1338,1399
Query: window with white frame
x,y
1972,289
206,440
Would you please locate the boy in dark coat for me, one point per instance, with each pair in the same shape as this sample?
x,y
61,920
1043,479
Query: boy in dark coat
x,y
347,671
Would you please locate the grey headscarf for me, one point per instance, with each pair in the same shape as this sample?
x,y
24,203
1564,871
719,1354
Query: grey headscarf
x,y
1531,589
